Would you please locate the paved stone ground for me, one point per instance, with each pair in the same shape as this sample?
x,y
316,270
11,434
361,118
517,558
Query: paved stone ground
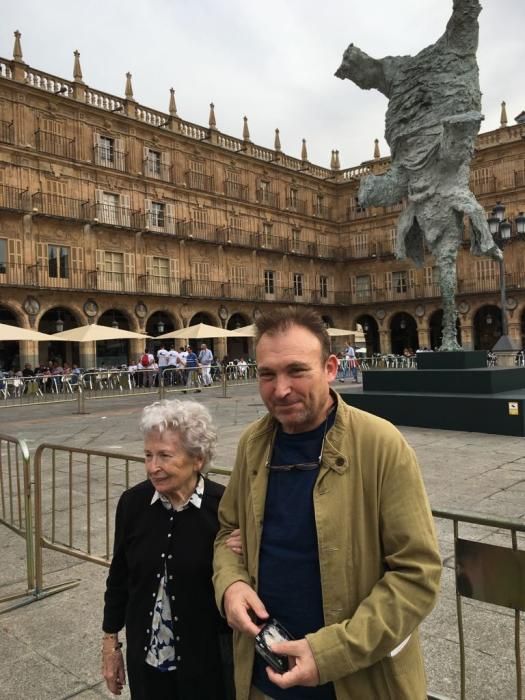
x,y
50,650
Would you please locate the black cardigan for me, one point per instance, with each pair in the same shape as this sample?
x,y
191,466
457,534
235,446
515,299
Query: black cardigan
x,y
142,546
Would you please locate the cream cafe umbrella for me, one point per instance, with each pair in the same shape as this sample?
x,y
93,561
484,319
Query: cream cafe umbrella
x,y
8,332
93,332
199,331
245,331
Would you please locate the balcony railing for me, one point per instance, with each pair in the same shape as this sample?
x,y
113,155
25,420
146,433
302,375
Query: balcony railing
x,y
475,286
236,236
297,205
158,284
201,288
111,215
269,242
14,199
110,158
519,178
266,197
158,221
236,190
356,212
322,211
198,231
199,181
56,145
6,132
484,186
158,171
59,207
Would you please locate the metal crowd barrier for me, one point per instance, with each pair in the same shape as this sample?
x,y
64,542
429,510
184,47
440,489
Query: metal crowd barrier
x,y
100,384
76,492
17,507
490,574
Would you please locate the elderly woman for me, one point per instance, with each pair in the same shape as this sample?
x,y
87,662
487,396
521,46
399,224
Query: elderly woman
x,y
159,585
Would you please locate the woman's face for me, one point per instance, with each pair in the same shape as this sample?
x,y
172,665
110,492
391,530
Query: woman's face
x,y
171,470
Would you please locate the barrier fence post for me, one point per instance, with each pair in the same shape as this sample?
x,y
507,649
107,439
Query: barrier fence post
x,y
224,384
81,398
26,529
161,385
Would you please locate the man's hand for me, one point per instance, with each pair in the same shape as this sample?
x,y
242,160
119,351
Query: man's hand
x,y
303,669
239,600
234,541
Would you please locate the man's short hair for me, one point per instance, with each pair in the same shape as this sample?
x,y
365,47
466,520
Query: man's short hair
x,y
279,320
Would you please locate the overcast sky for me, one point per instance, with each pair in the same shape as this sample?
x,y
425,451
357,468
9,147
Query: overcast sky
x,y
273,61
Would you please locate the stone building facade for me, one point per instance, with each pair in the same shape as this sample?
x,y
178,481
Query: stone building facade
x,y
115,213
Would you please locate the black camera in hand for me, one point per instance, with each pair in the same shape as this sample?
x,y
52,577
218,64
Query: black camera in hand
x,y
272,633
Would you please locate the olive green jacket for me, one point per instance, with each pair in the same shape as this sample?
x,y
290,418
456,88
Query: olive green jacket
x,y
379,561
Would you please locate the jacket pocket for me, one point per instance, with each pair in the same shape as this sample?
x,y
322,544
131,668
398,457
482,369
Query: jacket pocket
x,y
405,673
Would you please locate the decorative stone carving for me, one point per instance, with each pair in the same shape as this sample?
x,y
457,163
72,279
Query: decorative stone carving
x,y
223,313
420,310
464,307
90,308
31,306
141,310
380,314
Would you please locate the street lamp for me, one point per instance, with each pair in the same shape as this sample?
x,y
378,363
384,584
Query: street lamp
x,y
520,224
160,327
501,230
59,325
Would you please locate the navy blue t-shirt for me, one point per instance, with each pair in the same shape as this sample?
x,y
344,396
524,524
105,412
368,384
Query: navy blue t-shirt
x,y
289,574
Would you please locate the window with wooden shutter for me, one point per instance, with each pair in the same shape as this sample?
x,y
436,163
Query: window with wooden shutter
x,y
174,276
170,225
269,282
200,221
388,284
15,251
360,245
400,282
200,271
3,256
362,288
298,284
52,126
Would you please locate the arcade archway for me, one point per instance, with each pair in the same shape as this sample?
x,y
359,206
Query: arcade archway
x,y
403,333
371,331
487,327
435,325
113,353
9,349
56,320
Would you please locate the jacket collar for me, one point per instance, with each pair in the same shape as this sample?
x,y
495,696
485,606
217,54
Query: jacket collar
x,y
332,457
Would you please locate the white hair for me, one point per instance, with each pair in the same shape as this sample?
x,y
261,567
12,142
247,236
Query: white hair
x,y
190,420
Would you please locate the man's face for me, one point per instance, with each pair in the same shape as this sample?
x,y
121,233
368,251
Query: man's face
x,y
293,380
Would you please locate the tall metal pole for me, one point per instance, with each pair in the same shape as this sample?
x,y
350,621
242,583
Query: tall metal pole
x,y
504,319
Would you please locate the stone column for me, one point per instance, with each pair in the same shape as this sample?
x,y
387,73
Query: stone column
x,y
467,336
87,353
136,349
28,350
221,346
423,336
385,344
515,334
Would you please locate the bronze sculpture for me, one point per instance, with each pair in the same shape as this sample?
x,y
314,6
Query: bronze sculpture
x,y
432,120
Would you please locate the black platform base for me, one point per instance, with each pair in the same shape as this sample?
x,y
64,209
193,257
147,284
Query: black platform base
x,y
482,400
479,413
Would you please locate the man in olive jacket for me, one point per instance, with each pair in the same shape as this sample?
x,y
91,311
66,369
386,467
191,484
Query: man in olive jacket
x,y
338,541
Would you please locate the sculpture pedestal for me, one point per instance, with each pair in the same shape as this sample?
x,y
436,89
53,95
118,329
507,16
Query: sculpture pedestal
x,y
473,398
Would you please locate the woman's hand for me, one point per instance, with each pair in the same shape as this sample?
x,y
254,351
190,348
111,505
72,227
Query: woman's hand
x,y
113,665
234,542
